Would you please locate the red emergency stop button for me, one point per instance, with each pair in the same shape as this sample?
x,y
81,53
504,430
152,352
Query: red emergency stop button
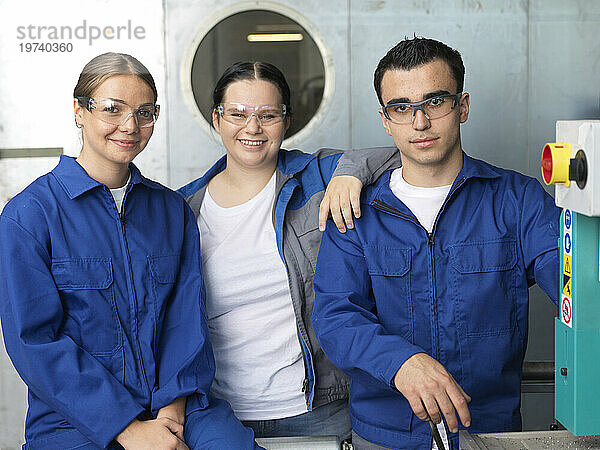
x,y
555,163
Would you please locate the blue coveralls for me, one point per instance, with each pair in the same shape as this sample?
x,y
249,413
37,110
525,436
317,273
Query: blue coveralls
x,y
103,313
389,289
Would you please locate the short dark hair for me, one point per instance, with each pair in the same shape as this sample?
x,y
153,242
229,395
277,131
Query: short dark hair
x,y
417,51
253,71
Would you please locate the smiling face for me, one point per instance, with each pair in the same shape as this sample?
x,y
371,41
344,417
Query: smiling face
x,y
433,144
251,146
113,146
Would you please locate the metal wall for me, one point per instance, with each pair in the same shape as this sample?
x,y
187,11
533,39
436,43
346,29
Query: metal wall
x,y
194,147
529,63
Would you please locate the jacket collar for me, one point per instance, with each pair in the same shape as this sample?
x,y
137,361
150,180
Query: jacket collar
x,y
472,168
194,191
291,162
476,168
75,180
288,164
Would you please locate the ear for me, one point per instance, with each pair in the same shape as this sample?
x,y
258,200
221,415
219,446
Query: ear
x,y
78,111
216,121
287,124
385,122
463,104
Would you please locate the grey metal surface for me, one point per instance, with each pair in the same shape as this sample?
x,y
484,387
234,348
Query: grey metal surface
x,y
467,441
30,152
532,440
301,443
492,37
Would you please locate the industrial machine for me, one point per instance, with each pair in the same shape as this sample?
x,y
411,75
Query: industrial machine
x,y
572,164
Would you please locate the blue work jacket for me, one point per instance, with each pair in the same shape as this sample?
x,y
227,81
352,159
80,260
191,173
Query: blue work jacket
x,y
103,313
389,289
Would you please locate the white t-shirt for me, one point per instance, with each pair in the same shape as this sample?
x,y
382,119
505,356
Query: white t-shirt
x,y
425,203
119,194
259,364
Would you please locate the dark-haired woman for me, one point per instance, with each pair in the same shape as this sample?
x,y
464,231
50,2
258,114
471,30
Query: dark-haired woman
x,y
258,213
102,297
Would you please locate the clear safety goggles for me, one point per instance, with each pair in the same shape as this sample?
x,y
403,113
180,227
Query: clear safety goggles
x,y
433,108
116,112
240,114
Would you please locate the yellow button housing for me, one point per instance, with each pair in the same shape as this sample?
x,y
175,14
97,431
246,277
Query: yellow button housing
x,y
555,163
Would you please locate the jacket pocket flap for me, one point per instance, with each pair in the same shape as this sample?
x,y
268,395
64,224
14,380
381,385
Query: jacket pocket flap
x,y
388,261
82,273
478,257
164,268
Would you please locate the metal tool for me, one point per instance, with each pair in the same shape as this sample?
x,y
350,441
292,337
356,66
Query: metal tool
x,y
436,434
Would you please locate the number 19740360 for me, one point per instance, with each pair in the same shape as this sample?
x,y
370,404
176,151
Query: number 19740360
x,y
28,47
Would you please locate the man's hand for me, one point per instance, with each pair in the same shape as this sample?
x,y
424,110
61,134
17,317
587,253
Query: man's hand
x,y
157,434
429,388
342,196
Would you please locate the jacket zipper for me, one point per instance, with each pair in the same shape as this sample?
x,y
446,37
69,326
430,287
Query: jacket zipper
x,y
308,393
431,243
377,204
132,300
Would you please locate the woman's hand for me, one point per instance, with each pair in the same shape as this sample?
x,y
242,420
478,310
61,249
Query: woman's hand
x,y
158,434
342,197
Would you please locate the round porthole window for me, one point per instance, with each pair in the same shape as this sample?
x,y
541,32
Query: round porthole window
x,y
269,36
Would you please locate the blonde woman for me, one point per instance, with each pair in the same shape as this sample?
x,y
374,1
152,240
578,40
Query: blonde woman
x,y
102,295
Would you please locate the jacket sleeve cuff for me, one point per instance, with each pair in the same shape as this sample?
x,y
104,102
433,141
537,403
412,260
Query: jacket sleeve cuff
x,y
196,402
191,382
367,164
166,396
349,168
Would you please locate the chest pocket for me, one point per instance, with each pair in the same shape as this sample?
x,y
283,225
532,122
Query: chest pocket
x,y
86,291
164,270
484,285
305,225
390,269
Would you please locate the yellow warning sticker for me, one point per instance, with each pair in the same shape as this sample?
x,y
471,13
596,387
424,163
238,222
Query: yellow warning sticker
x,y
567,287
567,265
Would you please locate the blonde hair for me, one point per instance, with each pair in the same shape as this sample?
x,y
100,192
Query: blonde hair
x,y
107,65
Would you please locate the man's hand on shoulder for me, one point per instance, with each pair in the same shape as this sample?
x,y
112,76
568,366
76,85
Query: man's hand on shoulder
x,y
429,389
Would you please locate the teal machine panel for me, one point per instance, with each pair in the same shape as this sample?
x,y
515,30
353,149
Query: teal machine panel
x,y
572,163
577,329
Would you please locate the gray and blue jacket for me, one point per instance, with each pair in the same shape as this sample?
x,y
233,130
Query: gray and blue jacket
x,y
301,180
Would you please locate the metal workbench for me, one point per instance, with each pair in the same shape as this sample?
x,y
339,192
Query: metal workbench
x,y
534,440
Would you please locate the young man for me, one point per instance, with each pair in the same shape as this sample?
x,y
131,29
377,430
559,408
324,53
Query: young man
x,y
424,304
